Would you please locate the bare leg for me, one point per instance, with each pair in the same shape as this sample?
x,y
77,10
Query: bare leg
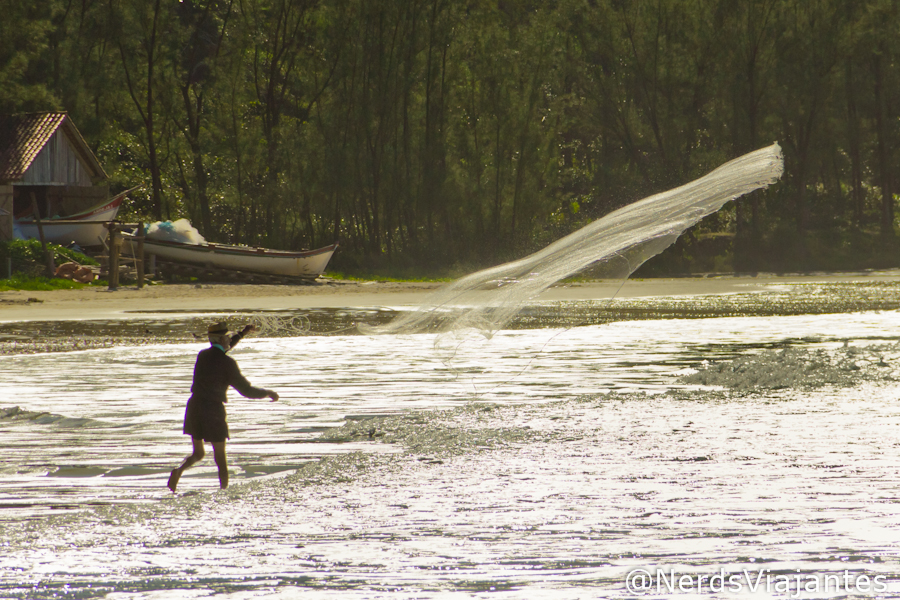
x,y
221,462
195,457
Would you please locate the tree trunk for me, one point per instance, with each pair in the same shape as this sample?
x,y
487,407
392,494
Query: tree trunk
x,y
882,133
853,131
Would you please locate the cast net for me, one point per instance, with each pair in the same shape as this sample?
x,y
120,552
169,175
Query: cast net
x,y
613,246
269,325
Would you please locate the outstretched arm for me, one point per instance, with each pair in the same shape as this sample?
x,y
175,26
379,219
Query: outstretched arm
x,y
244,387
239,336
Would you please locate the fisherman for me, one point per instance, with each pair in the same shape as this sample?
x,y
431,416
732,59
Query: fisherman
x,y
204,417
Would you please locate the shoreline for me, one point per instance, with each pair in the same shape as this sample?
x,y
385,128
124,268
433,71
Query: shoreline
x,y
35,322
99,303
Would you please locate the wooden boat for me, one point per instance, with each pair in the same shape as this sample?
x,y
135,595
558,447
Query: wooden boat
x,y
83,234
307,264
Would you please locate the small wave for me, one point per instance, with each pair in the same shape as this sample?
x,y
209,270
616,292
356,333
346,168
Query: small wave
x,y
438,432
803,368
15,413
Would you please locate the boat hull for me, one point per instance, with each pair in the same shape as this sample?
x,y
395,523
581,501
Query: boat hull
x,y
308,264
83,234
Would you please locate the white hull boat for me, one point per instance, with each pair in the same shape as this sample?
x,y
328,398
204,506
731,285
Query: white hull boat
x,y
83,234
307,264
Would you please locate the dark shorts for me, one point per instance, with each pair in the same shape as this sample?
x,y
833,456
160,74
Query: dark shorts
x,y
205,420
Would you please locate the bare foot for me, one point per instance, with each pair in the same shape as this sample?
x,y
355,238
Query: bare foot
x,y
173,479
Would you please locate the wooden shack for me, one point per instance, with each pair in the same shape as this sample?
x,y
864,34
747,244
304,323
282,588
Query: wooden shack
x,y
45,161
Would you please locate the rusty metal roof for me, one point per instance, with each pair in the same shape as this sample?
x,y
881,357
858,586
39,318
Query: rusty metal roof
x,y
23,136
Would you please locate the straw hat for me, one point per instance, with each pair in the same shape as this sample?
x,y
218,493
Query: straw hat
x,y
219,328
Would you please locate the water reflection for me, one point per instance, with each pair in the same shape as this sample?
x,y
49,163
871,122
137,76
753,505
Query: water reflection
x,y
116,409
544,462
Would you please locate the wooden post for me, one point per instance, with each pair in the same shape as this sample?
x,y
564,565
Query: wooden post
x,y
48,258
139,254
103,259
6,213
113,258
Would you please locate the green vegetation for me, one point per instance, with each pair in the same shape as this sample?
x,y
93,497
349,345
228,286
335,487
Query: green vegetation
x,y
429,134
35,284
28,257
29,267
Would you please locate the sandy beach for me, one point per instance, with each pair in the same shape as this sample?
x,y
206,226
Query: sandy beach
x,y
94,317
100,303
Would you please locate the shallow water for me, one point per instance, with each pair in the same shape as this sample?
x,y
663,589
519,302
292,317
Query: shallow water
x,y
542,463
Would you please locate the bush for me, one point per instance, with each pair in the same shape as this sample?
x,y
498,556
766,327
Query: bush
x,y
28,257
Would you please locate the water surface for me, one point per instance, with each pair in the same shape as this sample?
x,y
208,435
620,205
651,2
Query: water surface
x,y
546,462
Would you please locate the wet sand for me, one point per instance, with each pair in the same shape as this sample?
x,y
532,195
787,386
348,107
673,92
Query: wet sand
x,y
95,317
100,303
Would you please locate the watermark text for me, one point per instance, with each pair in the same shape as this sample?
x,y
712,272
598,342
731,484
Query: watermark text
x,y
662,581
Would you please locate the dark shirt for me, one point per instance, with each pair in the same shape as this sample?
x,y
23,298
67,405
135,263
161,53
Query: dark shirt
x,y
214,373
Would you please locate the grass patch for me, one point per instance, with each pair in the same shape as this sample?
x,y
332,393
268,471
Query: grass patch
x,y
38,284
29,267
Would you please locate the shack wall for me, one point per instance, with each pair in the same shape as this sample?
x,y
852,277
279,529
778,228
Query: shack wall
x,y
58,163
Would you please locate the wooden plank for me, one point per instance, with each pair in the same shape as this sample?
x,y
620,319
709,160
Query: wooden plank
x,y
113,258
57,162
6,213
139,257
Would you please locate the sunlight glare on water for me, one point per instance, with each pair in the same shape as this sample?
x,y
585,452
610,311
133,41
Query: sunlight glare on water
x,y
543,463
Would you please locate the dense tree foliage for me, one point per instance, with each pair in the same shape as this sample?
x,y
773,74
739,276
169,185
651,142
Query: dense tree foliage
x,y
436,134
